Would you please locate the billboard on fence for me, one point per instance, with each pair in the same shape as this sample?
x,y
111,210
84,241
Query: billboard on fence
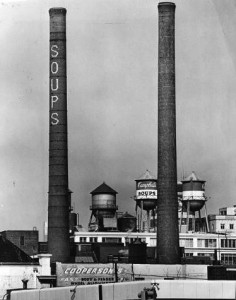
x,y
85,274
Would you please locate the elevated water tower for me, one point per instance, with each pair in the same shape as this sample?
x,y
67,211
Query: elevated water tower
x,y
193,200
146,200
103,215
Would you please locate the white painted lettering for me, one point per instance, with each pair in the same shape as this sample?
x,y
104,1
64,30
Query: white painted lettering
x,y
55,52
54,99
84,270
54,117
105,270
72,271
54,88
54,67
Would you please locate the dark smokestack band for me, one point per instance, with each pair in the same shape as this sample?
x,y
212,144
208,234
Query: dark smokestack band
x,y
58,201
167,204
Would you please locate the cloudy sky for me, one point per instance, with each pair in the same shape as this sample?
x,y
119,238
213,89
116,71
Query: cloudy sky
x,y
112,101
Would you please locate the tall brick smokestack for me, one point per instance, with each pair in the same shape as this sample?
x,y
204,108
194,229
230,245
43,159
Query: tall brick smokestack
x,y
167,204
58,199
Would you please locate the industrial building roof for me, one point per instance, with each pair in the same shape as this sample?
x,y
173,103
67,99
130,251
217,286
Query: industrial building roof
x,y
9,253
103,189
127,215
192,177
147,176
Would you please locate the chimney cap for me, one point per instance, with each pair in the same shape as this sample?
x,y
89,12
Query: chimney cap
x,y
57,10
166,4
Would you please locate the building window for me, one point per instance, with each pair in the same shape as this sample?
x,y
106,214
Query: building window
x,y
228,243
188,254
22,240
187,243
111,240
206,243
83,239
200,243
181,243
210,243
222,243
152,242
222,226
93,239
228,259
231,226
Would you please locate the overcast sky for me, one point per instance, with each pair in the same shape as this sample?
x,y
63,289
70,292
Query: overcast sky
x,y
112,101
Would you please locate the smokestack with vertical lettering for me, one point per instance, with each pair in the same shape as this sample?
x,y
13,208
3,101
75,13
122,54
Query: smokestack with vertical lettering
x,y
167,204
58,199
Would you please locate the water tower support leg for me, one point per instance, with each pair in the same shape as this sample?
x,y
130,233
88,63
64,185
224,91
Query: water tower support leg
x,y
141,227
148,221
200,219
188,211
181,218
154,220
206,218
90,220
138,222
194,223
137,219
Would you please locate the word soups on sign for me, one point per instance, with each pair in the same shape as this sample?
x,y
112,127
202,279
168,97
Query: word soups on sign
x,y
54,85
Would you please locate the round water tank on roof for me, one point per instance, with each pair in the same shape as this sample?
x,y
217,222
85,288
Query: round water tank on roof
x,y
104,201
127,223
193,192
146,191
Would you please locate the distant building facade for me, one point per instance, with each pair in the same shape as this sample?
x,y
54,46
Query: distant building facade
x,y
216,246
26,240
224,222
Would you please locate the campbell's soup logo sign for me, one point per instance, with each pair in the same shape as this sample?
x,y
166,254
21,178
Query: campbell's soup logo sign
x,y
146,185
146,190
57,82
54,84
70,274
146,194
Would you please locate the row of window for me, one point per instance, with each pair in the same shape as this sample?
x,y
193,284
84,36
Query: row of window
x,y
110,240
206,243
104,240
222,226
201,243
228,259
228,243
91,239
211,255
187,243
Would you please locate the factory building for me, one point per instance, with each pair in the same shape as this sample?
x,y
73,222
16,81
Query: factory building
x,y
17,269
198,247
26,240
198,241
224,222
